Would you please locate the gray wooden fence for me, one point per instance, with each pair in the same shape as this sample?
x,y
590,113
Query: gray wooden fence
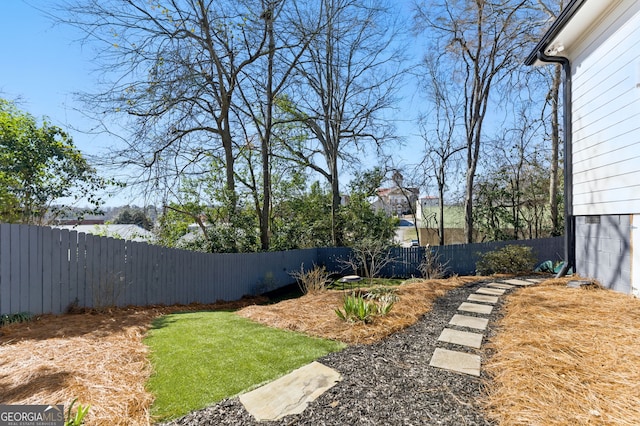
x,y
46,270
458,259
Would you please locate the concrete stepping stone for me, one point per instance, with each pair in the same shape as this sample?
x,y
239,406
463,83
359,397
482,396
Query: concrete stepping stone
x,y
456,361
536,280
522,283
491,291
464,338
290,394
475,308
469,322
500,286
482,298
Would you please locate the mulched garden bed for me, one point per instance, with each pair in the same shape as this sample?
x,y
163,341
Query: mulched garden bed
x,y
389,382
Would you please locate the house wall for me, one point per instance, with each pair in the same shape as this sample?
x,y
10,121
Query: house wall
x,y
606,145
603,250
606,114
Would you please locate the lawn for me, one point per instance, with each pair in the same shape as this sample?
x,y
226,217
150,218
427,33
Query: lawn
x,y
200,358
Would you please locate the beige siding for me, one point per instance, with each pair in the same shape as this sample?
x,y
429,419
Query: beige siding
x,y
606,115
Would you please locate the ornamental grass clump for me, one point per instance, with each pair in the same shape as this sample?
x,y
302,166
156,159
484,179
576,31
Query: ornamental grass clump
x,y
311,281
365,307
15,318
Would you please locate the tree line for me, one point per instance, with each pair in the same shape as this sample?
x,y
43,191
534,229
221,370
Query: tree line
x,y
231,110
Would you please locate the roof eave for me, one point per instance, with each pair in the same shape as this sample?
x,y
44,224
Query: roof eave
x,y
557,26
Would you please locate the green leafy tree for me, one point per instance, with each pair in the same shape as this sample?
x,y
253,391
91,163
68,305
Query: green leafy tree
x,y
39,165
199,218
134,217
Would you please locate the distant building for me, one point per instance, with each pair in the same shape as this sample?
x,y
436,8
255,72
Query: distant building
x,y
396,200
125,232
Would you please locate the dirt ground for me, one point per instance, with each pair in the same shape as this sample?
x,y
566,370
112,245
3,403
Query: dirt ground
x,y
564,354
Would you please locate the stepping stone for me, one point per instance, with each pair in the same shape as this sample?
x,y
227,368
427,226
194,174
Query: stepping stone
x,y
536,280
490,291
501,286
290,394
482,298
459,362
475,308
518,282
470,322
464,338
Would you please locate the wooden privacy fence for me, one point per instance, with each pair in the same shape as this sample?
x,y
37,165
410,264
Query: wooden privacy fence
x,y
48,270
457,259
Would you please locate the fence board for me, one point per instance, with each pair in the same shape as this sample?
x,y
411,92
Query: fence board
x,y
5,268
51,270
34,284
44,251
80,266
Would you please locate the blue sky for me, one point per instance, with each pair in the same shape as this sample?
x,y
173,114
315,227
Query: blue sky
x,y
43,64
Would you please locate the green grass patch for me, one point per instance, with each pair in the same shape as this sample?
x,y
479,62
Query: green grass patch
x,y
200,358
365,282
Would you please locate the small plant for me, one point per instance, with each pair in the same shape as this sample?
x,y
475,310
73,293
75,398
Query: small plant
x,y
377,302
78,419
431,267
311,281
13,318
385,297
356,308
511,259
369,257
107,290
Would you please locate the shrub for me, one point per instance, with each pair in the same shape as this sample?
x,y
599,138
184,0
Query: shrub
x,y
311,281
511,259
431,267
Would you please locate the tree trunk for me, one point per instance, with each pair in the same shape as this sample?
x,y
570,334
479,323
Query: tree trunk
x,y
266,144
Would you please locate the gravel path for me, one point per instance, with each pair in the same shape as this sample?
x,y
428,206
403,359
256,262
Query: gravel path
x,y
387,383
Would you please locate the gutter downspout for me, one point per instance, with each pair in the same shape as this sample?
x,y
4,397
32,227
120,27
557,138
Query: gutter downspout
x,y
569,222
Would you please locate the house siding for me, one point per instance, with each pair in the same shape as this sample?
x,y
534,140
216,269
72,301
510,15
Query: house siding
x,y
603,250
606,115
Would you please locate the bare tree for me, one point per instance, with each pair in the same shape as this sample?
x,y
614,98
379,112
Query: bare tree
x,y
289,35
483,41
172,72
553,99
347,78
440,130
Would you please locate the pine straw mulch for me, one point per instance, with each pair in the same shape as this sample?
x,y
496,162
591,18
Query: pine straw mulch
x,y
314,313
560,356
98,357
566,356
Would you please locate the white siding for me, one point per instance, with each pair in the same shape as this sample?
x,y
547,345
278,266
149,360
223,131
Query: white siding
x,y
606,115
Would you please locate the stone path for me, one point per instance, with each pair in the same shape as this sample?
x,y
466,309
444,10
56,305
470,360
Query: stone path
x,y
457,350
464,331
